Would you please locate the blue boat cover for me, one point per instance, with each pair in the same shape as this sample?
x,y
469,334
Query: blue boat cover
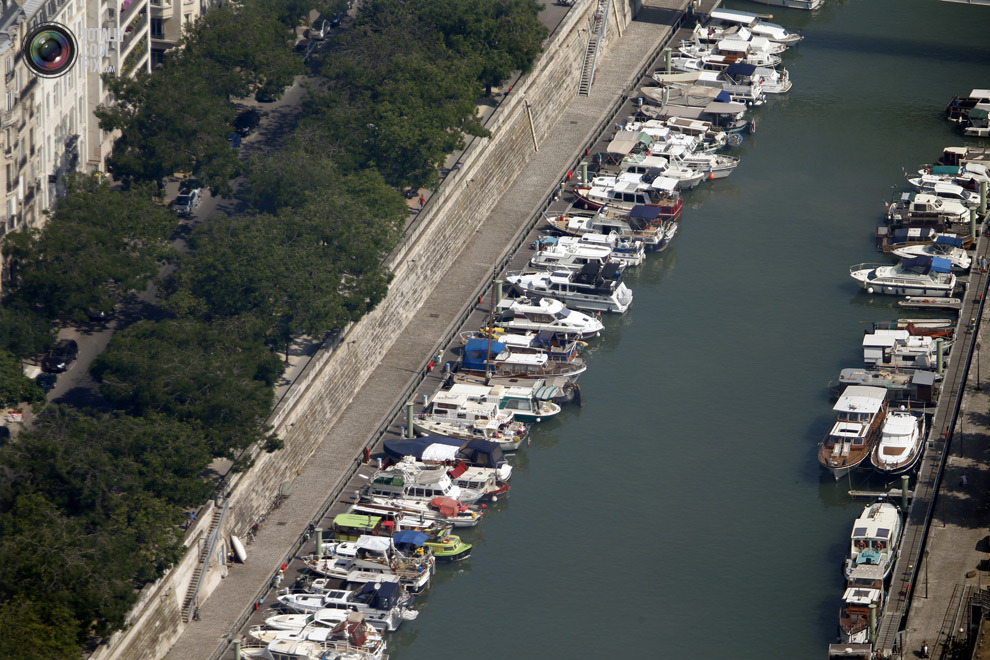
x,y
724,97
410,536
479,452
954,241
645,212
476,352
929,264
741,68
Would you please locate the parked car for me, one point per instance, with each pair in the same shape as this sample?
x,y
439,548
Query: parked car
x,y
187,201
60,357
46,381
319,30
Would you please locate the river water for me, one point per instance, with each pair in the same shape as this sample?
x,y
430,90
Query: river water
x,y
681,513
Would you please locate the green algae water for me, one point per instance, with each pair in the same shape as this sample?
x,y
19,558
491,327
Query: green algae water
x,y
681,513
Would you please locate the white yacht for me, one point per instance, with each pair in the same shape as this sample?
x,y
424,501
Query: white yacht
x,y
875,538
370,559
650,168
901,442
859,413
301,649
757,51
406,481
383,604
626,251
725,22
591,288
899,349
642,223
352,632
940,187
864,588
625,192
573,255
545,314
467,416
712,166
918,276
945,246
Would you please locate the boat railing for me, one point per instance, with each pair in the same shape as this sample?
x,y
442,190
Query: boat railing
x,y
865,266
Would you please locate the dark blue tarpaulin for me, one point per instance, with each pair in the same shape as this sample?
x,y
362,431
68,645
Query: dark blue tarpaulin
x,y
741,68
646,212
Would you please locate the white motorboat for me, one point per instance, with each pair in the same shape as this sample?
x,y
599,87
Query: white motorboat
x,y
724,22
771,80
900,444
383,604
923,206
653,169
755,50
738,80
711,166
408,482
625,193
524,314
639,224
899,349
968,175
696,135
500,363
467,416
572,255
405,513
875,538
325,618
929,277
371,559
299,649
944,189
945,246
352,632
859,414
591,288
622,250
529,403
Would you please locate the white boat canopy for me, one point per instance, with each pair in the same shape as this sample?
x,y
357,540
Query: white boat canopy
x,y
860,398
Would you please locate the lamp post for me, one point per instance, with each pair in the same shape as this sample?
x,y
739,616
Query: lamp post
x,y
927,550
977,365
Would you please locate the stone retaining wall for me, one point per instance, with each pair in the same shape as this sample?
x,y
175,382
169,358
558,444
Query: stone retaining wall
x,y
326,386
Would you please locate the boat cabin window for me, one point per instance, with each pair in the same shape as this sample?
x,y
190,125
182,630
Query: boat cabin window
x,y
541,318
562,314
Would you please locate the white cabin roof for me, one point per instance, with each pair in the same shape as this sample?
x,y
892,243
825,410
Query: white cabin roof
x,y
860,398
884,338
860,596
734,16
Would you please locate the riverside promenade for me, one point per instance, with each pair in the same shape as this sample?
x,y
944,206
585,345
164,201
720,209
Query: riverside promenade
x,y
375,403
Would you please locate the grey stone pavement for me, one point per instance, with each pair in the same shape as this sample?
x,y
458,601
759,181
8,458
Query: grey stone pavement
x,y
955,560
574,129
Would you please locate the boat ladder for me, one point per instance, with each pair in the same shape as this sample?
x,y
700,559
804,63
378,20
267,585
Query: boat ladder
x,y
205,554
599,28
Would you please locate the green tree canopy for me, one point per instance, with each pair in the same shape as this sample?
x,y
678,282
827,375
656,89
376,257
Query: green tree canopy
x,y
216,376
96,246
15,387
37,630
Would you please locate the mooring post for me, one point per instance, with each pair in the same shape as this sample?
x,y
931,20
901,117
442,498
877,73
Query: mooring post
x,y
409,419
237,649
972,224
939,367
983,197
498,292
904,493
666,56
584,172
319,542
873,623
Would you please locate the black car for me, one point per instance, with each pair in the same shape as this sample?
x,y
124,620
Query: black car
x,y
46,382
60,357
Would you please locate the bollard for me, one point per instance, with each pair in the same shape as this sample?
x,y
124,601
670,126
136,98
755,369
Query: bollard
x,y
319,542
409,420
584,172
498,292
237,649
938,362
666,56
873,623
983,196
904,493
972,224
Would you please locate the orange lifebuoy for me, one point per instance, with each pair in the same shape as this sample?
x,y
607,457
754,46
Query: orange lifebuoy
x,y
878,546
927,171
861,544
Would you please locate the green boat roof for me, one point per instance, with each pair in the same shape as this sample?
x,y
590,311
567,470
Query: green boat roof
x,y
945,169
356,520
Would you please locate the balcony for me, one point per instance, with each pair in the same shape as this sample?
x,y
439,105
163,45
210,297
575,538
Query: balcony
x,y
161,9
135,30
127,10
135,58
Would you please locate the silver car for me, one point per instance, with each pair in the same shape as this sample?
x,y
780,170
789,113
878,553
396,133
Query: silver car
x,y
187,201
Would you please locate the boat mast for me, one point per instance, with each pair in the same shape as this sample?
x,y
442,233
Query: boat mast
x,y
491,331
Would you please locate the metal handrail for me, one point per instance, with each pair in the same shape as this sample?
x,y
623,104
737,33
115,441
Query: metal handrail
x,y
211,543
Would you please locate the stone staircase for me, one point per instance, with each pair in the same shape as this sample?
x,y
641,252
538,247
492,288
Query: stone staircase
x,y
205,554
599,29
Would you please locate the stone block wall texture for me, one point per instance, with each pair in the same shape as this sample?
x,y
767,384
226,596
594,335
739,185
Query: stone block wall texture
x,y
326,386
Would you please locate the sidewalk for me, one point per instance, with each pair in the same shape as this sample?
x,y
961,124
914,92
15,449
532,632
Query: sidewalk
x,y
573,130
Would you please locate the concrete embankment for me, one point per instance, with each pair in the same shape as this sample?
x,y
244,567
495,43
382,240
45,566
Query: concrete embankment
x,y
352,388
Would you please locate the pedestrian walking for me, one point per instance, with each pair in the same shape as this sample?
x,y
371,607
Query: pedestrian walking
x,y
439,358
429,366
422,201
964,481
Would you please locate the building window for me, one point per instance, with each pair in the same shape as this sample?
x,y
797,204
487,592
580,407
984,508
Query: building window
x,y
157,28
